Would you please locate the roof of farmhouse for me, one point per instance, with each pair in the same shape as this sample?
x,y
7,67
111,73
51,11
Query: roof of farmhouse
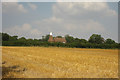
x,y
56,39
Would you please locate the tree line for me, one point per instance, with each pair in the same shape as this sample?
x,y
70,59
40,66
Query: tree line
x,y
95,41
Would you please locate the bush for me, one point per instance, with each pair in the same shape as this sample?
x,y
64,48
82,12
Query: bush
x,y
71,42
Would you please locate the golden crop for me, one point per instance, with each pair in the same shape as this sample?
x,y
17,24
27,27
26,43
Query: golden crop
x,y
54,62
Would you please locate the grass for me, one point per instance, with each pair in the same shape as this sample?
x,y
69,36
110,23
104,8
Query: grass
x,y
54,62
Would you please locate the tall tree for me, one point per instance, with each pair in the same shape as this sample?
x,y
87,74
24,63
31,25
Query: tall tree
x,y
109,41
13,38
5,37
69,39
80,40
22,39
45,38
83,41
95,38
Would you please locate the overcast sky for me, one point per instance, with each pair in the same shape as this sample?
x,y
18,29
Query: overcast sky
x,y
78,19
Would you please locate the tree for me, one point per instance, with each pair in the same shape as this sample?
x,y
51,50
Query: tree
x,y
59,36
77,39
36,39
0,37
69,39
22,39
80,40
95,38
109,41
30,39
45,38
5,37
13,38
83,41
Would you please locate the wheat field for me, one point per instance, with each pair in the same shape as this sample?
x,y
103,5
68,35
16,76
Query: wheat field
x,y
55,62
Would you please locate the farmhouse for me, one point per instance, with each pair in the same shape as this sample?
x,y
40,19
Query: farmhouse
x,y
56,39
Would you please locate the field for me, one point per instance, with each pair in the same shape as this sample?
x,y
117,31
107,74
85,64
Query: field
x,y
53,62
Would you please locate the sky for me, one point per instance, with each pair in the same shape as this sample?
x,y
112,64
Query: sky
x,y
78,19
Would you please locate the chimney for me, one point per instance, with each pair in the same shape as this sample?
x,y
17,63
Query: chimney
x,y
50,33
50,38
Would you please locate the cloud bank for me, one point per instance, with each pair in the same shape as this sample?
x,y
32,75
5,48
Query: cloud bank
x,y
79,19
25,30
16,8
13,7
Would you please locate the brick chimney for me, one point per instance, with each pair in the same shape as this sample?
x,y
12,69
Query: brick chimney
x,y
50,38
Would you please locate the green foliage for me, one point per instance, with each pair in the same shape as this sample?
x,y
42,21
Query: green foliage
x,y
95,41
109,41
13,38
22,39
59,36
95,38
69,39
5,37
83,41
45,38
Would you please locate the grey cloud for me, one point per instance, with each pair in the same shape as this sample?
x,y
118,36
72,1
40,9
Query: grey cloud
x,y
79,20
13,8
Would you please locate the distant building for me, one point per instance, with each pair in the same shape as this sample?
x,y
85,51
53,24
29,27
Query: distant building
x,y
56,39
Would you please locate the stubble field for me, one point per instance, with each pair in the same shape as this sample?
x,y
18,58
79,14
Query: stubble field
x,y
53,62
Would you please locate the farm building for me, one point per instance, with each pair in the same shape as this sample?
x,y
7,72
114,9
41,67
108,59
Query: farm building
x,y
56,39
